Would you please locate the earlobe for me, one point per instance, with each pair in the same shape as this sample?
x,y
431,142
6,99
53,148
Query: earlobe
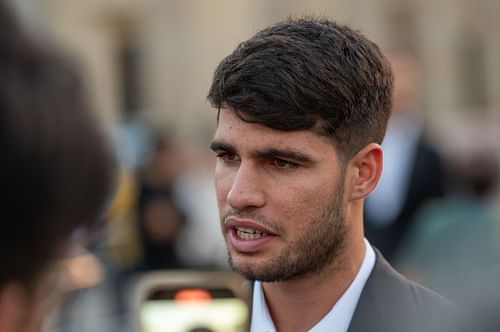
x,y
365,170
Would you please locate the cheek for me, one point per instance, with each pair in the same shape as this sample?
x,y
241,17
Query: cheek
x,y
289,200
305,202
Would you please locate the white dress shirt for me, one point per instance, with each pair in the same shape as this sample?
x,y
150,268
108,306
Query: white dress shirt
x,y
337,319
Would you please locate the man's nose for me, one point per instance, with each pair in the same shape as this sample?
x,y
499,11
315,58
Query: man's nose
x,y
246,190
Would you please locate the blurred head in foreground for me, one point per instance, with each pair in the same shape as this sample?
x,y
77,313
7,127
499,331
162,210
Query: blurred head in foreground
x,y
56,171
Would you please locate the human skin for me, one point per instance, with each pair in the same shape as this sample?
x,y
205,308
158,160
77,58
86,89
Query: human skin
x,y
283,184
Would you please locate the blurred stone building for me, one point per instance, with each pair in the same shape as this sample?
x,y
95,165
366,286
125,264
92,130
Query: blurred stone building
x,y
156,57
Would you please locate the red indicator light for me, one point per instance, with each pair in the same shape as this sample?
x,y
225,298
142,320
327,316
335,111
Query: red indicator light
x,y
192,295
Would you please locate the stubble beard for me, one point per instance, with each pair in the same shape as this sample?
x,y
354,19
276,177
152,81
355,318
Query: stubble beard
x,y
318,247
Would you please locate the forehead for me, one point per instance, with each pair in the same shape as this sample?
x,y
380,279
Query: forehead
x,y
234,131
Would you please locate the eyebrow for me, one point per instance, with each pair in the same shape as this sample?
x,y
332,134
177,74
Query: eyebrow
x,y
267,153
273,153
220,146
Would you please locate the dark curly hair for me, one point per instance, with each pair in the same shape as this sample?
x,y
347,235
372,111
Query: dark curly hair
x,y
309,74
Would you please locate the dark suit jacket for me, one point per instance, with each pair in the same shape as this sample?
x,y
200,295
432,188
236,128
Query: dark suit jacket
x,y
391,303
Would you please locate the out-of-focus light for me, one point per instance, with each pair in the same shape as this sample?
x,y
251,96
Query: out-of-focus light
x,y
192,295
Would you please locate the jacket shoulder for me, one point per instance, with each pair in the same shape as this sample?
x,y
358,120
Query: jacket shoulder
x,y
390,302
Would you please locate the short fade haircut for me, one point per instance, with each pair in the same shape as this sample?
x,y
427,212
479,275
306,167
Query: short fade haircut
x,y
56,168
309,74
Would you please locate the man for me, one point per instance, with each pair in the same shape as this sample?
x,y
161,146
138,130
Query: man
x,y
302,110
56,172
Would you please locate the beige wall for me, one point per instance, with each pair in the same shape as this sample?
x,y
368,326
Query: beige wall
x,y
180,43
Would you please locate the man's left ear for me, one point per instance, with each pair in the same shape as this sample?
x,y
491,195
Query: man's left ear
x,y
364,170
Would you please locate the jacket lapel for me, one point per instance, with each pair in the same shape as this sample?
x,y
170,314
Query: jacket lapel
x,y
370,314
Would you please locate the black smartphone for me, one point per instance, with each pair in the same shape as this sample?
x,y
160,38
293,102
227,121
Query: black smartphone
x,y
192,301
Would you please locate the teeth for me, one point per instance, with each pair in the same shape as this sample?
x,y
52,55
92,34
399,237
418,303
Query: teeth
x,y
247,230
246,233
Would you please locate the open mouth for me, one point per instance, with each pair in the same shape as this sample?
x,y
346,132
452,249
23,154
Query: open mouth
x,y
246,233
248,236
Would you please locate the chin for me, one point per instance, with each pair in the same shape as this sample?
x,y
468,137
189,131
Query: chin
x,y
257,270
246,266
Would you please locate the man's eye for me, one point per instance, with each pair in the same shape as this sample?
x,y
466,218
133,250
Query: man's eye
x,y
283,164
228,157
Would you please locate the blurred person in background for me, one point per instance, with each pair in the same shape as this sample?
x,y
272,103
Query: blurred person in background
x,y
160,216
302,108
453,245
413,171
201,244
147,212
56,173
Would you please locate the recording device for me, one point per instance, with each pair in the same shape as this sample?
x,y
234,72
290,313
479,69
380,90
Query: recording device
x,y
192,301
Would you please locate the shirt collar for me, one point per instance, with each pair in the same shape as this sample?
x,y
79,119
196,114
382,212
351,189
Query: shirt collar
x,y
337,319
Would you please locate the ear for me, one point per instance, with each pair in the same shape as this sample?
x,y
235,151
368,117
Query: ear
x,y
12,307
364,171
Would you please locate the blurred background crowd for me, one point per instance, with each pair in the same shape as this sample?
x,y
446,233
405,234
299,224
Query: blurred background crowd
x,y
148,65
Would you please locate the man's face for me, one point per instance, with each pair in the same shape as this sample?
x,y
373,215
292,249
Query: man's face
x,y
280,198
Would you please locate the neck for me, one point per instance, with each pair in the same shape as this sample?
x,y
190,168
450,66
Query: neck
x,y
298,304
